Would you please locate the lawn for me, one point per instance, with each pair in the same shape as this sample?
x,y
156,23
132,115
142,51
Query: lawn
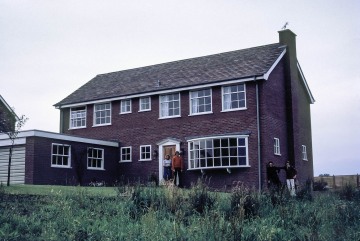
x,y
51,190
167,213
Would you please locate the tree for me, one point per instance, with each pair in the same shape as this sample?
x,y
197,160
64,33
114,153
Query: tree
x,y
11,125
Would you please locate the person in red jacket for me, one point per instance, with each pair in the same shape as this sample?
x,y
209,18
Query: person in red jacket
x,y
177,167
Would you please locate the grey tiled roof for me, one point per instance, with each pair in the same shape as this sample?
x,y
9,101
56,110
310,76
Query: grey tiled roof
x,y
183,73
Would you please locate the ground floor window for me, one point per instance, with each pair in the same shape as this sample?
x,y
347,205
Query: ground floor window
x,y
95,158
218,152
125,154
145,153
60,155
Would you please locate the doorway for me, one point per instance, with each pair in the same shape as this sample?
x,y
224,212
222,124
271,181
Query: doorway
x,y
166,147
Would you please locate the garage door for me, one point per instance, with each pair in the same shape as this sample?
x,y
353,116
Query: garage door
x,y
17,174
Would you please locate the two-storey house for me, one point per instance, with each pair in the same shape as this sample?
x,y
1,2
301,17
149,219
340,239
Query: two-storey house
x,y
228,114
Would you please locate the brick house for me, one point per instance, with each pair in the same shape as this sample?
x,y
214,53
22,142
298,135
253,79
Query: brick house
x,y
228,114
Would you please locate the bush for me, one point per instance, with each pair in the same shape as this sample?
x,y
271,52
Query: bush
x,y
349,193
200,198
320,186
245,200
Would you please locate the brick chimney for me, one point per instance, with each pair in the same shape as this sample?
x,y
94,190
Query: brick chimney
x,y
288,38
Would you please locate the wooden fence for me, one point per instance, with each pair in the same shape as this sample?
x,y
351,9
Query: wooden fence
x,y
335,182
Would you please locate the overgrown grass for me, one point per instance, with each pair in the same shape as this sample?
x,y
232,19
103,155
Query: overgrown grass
x,y
170,213
50,190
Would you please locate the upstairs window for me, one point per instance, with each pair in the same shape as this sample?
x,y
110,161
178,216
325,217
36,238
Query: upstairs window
x,y
95,158
233,97
277,146
145,104
145,153
304,153
60,155
170,105
125,106
125,153
102,114
218,152
200,102
78,117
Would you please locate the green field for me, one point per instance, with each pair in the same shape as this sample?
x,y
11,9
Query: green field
x,y
29,212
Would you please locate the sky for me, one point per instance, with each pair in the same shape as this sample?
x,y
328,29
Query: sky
x,y
49,48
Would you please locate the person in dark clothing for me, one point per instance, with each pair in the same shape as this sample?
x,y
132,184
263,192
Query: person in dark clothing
x,y
272,176
290,178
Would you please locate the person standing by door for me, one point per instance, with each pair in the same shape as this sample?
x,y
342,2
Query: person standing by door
x,y
167,168
177,168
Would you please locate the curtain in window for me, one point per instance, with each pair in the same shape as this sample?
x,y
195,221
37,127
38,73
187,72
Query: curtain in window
x,y
194,102
164,105
227,98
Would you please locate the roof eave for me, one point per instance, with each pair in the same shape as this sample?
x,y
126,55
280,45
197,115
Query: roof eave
x,y
311,97
267,74
9,108
163,91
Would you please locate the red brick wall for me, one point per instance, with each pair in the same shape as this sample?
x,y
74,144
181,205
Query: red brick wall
x,y
145,128
39,170
274,120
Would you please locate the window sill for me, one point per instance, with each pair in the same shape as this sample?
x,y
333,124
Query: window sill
x,y
57,166
238,109
124,113
96,169
169,117
108,124
125,161
214,168
145,160
202,113
75,128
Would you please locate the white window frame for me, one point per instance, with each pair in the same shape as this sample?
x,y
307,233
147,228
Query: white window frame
x,y
194,101
141,103
277,146
78,114
128,153
204,153
92,158
304,152
125,106
106,111
227,104
58,155
146,152
164,113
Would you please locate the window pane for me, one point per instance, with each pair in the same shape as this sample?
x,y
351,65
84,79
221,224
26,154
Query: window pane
x,y
218,152
233,97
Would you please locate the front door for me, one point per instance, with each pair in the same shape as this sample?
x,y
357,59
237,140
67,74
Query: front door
x,y
166,150
169,150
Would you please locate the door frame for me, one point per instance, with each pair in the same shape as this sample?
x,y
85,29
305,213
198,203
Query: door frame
x,y
166,142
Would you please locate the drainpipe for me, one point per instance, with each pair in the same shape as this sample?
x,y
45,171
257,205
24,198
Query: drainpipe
x,y
258,131
61,127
